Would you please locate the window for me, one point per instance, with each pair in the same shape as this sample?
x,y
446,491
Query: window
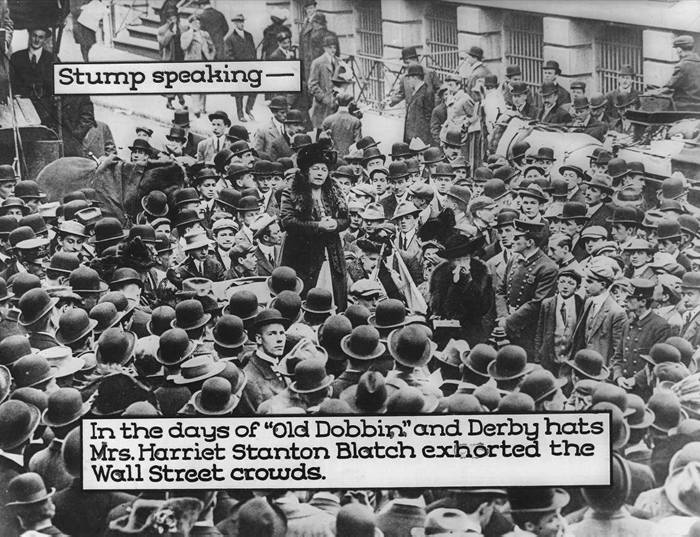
x,y
525,45
617,46
442,45
370,68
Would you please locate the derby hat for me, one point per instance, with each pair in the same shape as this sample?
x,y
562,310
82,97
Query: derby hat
x,y
5,383
13,203
270,316
4,295
668,229
407,400
14,347
510,363
363,343
458,245
65,407
369,395
433,155
540,384
310,376
27,489
460,193
494,189
411,346
229,332
18,421
400,149
32,370
115,346
289,305
641,416
174,347
186,195
589,364
662,353
537,499
318,300
515,402
189,315
108,231
667,410
161,318
123,276
229,197
155,203
34,305
617,168
7,225
28,190
600,181
624,215
73,325
105,315
573,210
219,114
398,170
389,314
518,88
215,398
244,304
331,334
357,314
552,65
284,279
478,359
197,369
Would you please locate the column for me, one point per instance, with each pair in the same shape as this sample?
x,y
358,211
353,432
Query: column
x,y
570,42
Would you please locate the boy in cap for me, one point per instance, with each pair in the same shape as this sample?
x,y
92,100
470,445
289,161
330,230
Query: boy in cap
x,y
199,263
667,301
218,141
223,231
690,288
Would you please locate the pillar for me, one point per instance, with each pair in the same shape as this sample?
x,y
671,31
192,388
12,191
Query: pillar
x,y
341,20
482,27
570,42
659,57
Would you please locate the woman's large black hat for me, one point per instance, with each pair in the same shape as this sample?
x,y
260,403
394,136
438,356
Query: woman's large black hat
x,y
319,152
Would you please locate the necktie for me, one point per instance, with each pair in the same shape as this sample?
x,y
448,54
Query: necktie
x,y
218,145
403,242
563,312
33,59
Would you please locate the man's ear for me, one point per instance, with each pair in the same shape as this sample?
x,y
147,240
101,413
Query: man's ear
x,y
529,526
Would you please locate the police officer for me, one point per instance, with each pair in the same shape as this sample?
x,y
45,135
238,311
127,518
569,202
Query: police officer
x,y
684,84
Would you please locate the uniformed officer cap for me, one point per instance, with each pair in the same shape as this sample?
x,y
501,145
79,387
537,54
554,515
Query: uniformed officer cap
x,y
642,288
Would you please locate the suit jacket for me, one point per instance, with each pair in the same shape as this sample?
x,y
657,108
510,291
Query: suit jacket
x,y
389,203
405,88
34,81
684,83
556,115
280,147
213,270
206,149
265,136
419,108
265,268
600,217
263,382
546,325
691,331
192,145
593,127
321,89
412,256
347,378
637,338
344,128
9,469
603,332
239,48
42,340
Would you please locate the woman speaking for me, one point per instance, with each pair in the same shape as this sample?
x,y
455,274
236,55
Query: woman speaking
x,y
313,213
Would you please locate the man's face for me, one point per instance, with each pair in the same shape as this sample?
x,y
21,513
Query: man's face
x,y
420,203
369,302
369,261
451,152
619,233
71,243
344,184
207,189
487,214
691,298
598,168
164,228
581,114
566,286
272,339
372,225
556,252
330,50
355,220
633,304
240,25
6,189
175,147
549,75
529,206
577,92
639,258
593,243
399,185
520,243
310,10
37,39
218,127
593,287
593,195
164,259
442,183
519,99
407,223
280,114
668,246
199,254
224,239
374,163
285,44
572,179
570,227
139,156
379,182
549,100
625,81
249,261
246,158
506,234
248,217
274,234
619,295
263,183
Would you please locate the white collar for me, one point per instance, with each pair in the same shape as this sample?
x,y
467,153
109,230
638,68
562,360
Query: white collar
x,y
266,249
14,457
597,301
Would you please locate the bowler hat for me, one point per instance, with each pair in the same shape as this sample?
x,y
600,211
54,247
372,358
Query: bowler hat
x,y
176,134
506,173
589,363
32,370
65,407
108,230
667,410
661,353
300,141
398,170
541,383
18,421
189,315
174,347
611,499
363,343
331,333
105,315
244,304
310,376
624,215
415,69
518,88
476,52
477,360
617,168
408,401
73,325
510,363
160,320
686,42
494,189
215,398
369,395
116,392
155,203
513,70
408,53
289,304
410,346
433,155
452,138
185,195
389,313
537,499
640,417
27,489
270,316
220,114
553,65
7,225
580,103
284,279
229,332
357,314
115,346
28,190
13,203
400,149
12,348
691,280
573,210
34,305
600,181
548,88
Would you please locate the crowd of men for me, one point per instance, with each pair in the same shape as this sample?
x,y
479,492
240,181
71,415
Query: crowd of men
x,y
506,284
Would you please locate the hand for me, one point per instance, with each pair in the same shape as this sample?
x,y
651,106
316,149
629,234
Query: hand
x,y
457,273
627,384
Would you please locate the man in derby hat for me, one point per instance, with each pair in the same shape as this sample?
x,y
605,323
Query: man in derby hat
x,y
690,293
267,134
550,73
585,122
551,111
342,126
405,87
239,46
209,147
684,84
141,152
598,191
603,321
558,317
407,242
537,510
37,310
398,184
521,100
223,231
264,381
32,504
419,105
320,83
644,329
527,281
473,71
625,90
